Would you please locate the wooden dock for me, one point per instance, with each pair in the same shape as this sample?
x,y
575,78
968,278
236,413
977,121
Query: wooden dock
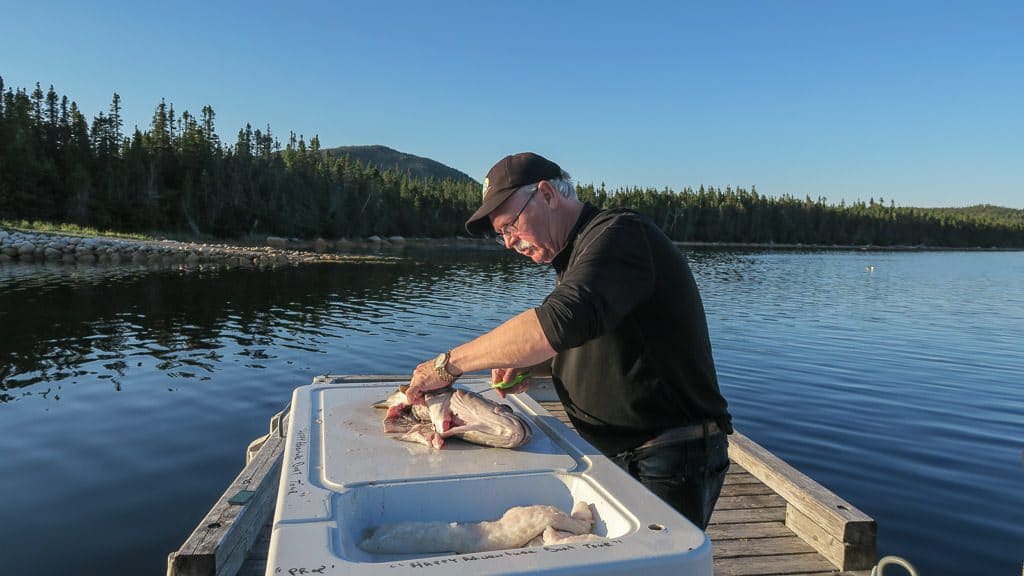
x,y
770,519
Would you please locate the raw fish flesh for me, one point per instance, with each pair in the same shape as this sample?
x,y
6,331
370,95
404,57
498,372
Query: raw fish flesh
x,y
517,527
454,412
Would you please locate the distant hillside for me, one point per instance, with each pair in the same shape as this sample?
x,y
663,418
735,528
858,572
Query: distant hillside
x,y
385,158
983,213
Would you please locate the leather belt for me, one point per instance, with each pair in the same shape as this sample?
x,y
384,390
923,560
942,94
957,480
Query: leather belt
x,y
682,434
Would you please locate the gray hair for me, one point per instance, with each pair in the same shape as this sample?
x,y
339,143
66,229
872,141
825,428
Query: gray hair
x,y
563,184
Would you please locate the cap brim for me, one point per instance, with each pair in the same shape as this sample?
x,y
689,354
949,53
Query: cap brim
x,y
479,224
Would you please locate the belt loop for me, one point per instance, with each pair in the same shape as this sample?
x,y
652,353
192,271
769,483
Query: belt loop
x,y
628,458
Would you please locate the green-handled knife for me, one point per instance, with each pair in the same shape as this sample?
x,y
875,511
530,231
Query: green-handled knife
x,y
513,382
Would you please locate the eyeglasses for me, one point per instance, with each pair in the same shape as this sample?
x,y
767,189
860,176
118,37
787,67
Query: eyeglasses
x,y
511,228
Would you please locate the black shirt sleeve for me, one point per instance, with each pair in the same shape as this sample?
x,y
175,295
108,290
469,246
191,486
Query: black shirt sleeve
x,y
612,271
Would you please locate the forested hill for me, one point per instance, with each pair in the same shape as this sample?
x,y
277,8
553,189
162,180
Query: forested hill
x,y
982,212
384,158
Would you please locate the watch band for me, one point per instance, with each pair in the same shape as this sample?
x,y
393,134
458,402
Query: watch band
x,y
442,369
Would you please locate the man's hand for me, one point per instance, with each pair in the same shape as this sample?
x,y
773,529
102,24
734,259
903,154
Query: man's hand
x,y
507,375
424,379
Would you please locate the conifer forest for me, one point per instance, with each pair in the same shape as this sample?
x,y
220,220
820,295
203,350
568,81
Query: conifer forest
x,y
178,176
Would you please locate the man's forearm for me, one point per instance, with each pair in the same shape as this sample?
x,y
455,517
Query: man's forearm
x,y
518,343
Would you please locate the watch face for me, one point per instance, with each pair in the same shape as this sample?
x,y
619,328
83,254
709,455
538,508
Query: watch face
x,y
439,362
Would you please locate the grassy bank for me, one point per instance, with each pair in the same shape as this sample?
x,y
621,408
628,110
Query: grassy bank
x,y
67,229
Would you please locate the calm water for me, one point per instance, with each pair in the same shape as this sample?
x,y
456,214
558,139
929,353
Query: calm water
x,y
128,396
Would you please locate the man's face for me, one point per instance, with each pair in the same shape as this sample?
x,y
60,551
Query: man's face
x,y
522,218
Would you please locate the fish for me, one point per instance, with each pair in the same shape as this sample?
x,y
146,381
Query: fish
x,y
454,412
519,526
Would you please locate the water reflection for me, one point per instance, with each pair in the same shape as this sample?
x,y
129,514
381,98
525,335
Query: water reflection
x,y
62,323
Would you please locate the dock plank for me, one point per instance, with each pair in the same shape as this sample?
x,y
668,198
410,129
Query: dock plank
x,y
750,530
772,546
772,564
737,475
773,514
732,489
755,501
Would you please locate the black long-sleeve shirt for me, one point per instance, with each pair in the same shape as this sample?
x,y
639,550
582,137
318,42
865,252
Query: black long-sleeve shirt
x,y
626,320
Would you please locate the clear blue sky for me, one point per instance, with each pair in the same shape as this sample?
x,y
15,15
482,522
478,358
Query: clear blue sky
x,y
921,102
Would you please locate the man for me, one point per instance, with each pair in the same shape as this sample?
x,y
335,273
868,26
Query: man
x,y
624,330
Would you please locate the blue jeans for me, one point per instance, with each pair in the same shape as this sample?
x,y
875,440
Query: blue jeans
x,y
686,474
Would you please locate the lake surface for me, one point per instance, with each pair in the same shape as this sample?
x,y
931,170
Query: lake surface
x,y
128,395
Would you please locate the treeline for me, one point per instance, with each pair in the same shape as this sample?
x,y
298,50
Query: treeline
x,y
739,215
178,176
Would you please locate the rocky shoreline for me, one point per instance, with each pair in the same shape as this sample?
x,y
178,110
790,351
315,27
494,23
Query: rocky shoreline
x,y
25,246
22,246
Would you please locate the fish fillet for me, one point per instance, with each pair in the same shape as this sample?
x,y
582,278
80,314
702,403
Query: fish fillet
x,y
516,528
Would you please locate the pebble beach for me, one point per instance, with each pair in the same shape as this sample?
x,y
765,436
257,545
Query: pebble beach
x,y
22,246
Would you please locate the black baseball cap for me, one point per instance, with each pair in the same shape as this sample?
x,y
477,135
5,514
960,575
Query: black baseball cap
x,y
505,177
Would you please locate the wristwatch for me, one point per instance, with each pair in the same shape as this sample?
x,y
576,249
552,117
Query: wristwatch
x,y
441,367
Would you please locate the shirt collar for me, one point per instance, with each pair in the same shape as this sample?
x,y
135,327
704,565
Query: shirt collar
x,y
561,260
